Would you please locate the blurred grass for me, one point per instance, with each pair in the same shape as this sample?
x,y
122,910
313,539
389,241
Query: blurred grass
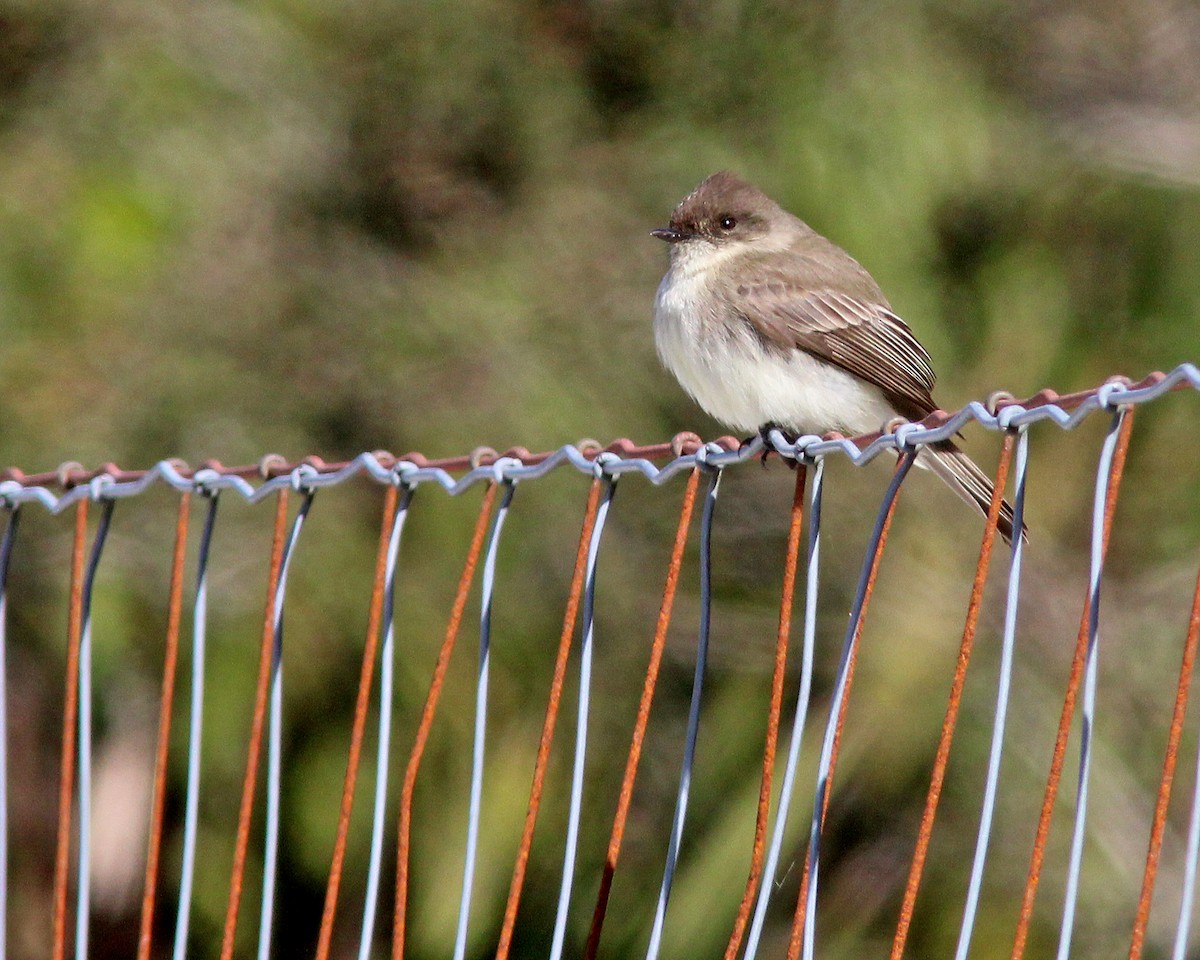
x,y
240,228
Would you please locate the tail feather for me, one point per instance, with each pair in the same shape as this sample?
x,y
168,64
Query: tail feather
x,y
960,473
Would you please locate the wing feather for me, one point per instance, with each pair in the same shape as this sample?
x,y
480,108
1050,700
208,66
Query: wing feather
x,y
862,337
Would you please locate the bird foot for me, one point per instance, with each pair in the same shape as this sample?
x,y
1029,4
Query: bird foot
x,y
768,449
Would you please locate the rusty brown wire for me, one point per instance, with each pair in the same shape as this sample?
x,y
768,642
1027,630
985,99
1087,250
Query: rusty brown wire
x,y
1068,710
1168,775
942,757
166,701
772,735
256,730
643,716
66,784
797,933
548,724
365,678
426,721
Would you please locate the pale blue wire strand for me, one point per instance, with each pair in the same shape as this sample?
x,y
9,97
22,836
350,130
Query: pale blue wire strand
x,y
192,802
1188,898
1003,687
581,723
275,739
693,725
1103,479
801,716
848,647
1014,415
386,674
85,738
481,696
10,533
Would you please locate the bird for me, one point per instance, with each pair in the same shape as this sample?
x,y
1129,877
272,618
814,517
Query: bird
x,y
768,324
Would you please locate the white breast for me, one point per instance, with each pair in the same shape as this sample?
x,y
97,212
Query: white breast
x,y
729,373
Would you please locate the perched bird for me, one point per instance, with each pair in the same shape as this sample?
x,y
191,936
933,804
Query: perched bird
x,y
766,323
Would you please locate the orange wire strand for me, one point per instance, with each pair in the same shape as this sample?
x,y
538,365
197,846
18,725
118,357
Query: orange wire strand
x,y
170,661
643,717
256,729
543,754
426,722
942,757
772,737
365,679
1068,710
797,934
1168,776
62,856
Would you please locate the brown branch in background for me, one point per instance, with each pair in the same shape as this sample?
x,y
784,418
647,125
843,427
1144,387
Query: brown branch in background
x,y
166,701
365,678
942,757
426,722
643,717
256,728
1068,710
66,785
781,645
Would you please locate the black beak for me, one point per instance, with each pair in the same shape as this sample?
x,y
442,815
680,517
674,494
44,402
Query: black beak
x,y
669,234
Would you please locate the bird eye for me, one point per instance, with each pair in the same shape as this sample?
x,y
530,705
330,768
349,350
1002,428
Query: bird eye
x,y
728,223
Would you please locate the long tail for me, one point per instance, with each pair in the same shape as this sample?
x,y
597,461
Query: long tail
x,y
960,474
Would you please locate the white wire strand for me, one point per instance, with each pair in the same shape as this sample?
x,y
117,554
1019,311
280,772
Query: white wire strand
x,y
481,700
275,739
693,724
1103,480
6,547
387,666
811,583
839,695
1003,687
581,723
192,802
1187,900
84,887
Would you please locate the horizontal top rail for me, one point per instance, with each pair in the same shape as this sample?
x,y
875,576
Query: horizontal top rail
x,y
686,450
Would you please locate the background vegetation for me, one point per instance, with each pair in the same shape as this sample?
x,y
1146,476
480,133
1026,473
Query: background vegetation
x,y
232,228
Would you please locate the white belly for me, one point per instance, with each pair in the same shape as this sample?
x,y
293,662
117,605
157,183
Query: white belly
x,y
737,381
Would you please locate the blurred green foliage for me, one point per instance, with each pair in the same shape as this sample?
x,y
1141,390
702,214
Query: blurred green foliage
x,y
235,228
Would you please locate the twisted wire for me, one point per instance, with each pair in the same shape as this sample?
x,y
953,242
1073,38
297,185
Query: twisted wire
x,y
457,474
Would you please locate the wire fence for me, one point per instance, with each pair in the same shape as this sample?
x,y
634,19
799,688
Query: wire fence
x,y
783,797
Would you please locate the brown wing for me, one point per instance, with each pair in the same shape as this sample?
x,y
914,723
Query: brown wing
x,y
862,337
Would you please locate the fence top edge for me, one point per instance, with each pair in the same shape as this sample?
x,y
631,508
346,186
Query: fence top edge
x,y
685,451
